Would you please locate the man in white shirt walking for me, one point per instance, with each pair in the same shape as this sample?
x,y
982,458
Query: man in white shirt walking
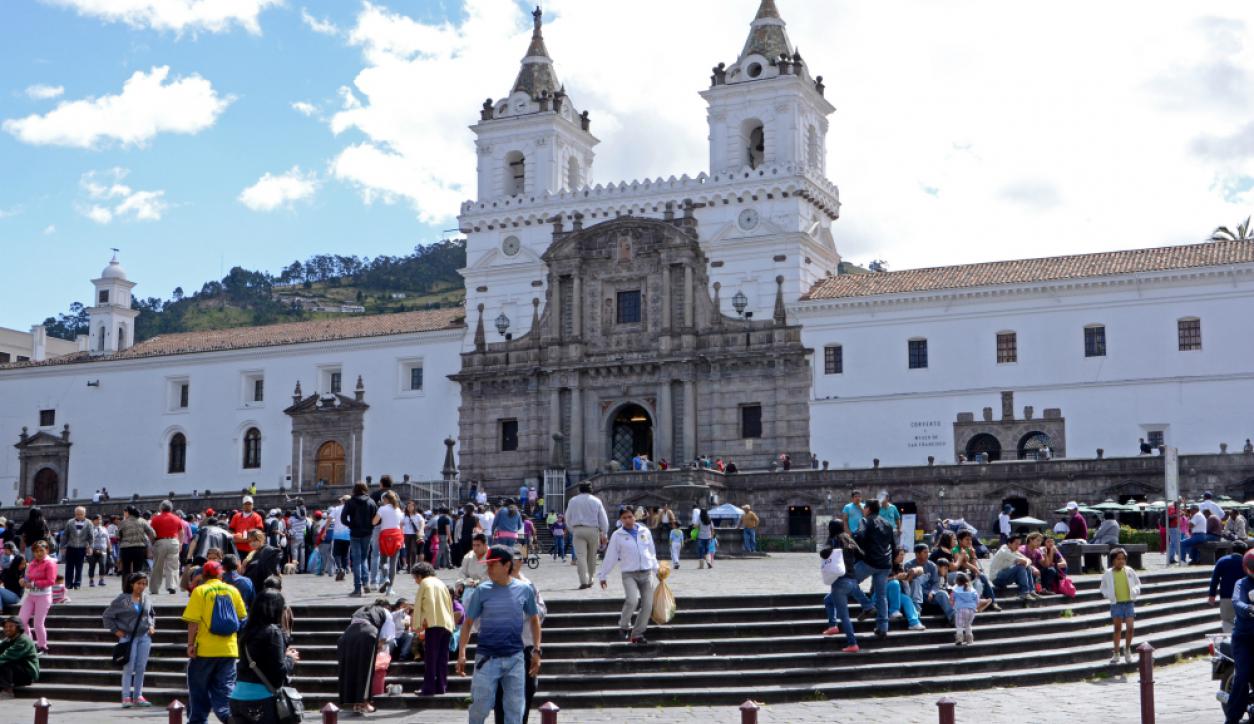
x,y
631,548
585,514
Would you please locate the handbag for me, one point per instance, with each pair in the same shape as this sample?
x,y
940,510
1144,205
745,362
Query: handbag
x,y
122,649
289,707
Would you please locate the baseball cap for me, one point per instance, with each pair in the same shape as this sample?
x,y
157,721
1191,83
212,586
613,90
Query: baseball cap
x,y
499,553
209,512
1072,505
247,499
211,569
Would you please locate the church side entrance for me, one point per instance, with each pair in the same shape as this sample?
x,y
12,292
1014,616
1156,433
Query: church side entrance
x,y
330,463
631,434
47,486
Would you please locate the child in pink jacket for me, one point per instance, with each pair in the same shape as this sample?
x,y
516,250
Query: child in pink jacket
x,y
38,580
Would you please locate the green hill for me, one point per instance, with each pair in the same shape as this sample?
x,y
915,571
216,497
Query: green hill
x,y
323,286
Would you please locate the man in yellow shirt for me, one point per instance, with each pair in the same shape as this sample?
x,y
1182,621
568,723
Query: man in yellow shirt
x,y
433,615
211,656
749,523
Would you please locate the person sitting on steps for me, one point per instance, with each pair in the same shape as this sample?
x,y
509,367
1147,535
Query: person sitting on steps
x,y
1010,566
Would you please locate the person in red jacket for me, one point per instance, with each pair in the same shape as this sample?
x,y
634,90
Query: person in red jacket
x,y
165,558
241,523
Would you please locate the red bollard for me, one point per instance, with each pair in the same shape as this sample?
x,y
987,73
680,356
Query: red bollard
x,y
41,711
175,710
749,712
330,714
1147,682
548,713
946,707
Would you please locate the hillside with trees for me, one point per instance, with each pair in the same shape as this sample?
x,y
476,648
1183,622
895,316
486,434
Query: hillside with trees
x,y
322,286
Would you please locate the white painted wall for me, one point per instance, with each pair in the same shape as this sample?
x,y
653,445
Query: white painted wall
x,y
119,430
1144,382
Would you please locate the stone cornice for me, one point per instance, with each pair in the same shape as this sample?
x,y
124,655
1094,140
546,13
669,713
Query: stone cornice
x,y
609,200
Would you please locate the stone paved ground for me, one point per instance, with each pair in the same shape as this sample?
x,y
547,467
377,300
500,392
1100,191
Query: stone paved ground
x,y
1182,696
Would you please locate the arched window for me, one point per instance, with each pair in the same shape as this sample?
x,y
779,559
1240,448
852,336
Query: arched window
x,y
177,462
252,448
983,444
755,151
121,337
812,147
515,173
574,175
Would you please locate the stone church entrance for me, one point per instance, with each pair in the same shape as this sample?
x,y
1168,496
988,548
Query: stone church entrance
x,y
331,463
47,486
631,434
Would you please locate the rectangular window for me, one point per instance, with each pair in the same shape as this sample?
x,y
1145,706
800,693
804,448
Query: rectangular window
x,y
1189,332
336,378
918,354
1155,438
259,390
20,358
103,298
415,379
5,358
47,418
751,421
509,435
833,360
184,395
1095,341
629,307
1007,347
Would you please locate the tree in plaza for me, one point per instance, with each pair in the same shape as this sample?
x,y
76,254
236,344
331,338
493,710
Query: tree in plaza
x,y
1243,232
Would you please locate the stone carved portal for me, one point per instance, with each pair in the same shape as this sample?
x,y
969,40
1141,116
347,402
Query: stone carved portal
x,y
631,434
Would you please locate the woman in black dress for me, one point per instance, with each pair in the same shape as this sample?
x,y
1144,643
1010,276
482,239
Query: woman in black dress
x,y
262,645
355,652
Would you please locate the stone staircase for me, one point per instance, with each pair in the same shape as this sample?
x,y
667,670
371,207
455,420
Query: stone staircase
x,y
718,650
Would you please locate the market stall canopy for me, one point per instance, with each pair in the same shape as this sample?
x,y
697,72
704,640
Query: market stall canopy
x,y
1029,522
726,511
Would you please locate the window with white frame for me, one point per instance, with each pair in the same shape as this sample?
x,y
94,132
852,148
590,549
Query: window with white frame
x,y
1189,334
253,389
330,380
178,394
410,376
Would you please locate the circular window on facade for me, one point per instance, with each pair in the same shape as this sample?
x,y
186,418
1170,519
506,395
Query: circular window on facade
x,y
755,70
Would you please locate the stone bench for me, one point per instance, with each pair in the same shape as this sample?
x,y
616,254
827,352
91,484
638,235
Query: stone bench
x,y
1083,557
1211,551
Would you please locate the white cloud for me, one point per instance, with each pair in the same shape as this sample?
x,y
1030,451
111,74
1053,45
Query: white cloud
x,y
6,213
41,92
147,105
322,27
982,142
50,229
305,109
214,16
272,192
109,198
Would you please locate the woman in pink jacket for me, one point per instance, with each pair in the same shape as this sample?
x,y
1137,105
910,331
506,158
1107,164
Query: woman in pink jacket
x,y
40,575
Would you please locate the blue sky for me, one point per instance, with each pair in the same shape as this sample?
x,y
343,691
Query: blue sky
x,y
963,133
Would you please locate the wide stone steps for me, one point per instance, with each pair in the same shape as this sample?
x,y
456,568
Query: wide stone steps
x,y
718,650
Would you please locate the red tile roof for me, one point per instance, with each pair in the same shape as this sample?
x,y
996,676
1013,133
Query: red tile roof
x,y
273,335
1022,271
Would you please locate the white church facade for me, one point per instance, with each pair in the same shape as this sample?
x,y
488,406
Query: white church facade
x,y
894,366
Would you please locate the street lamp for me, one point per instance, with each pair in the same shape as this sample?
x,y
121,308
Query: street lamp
x,y
502,324
739,302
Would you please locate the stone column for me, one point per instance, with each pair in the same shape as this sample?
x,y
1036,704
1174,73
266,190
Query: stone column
x,y
555,411
666,297
690,419
688,297
576,307
576,427
555,314
664,424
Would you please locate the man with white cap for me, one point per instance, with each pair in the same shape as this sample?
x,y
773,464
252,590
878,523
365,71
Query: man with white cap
x,y
241,523
1077,527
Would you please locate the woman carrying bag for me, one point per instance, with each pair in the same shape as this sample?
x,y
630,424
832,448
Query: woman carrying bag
x,y
265,664
131,619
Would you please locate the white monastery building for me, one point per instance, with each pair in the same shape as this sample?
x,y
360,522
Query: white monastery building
x,y
1072,353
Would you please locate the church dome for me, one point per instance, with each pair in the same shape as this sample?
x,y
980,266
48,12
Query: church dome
x,y
113,271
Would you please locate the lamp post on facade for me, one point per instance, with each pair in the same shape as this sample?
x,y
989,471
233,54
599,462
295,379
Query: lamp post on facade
x,y
502,324
739,302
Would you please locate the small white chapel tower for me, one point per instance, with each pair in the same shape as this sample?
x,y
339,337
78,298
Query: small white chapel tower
x,y
112,320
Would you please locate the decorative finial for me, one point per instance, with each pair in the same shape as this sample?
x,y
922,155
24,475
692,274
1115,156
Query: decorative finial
x,y
536,14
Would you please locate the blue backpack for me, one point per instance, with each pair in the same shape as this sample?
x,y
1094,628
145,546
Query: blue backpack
x,y
224,621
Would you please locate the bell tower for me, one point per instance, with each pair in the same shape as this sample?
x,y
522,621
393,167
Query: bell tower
x,y
765,109
534,140
112,320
